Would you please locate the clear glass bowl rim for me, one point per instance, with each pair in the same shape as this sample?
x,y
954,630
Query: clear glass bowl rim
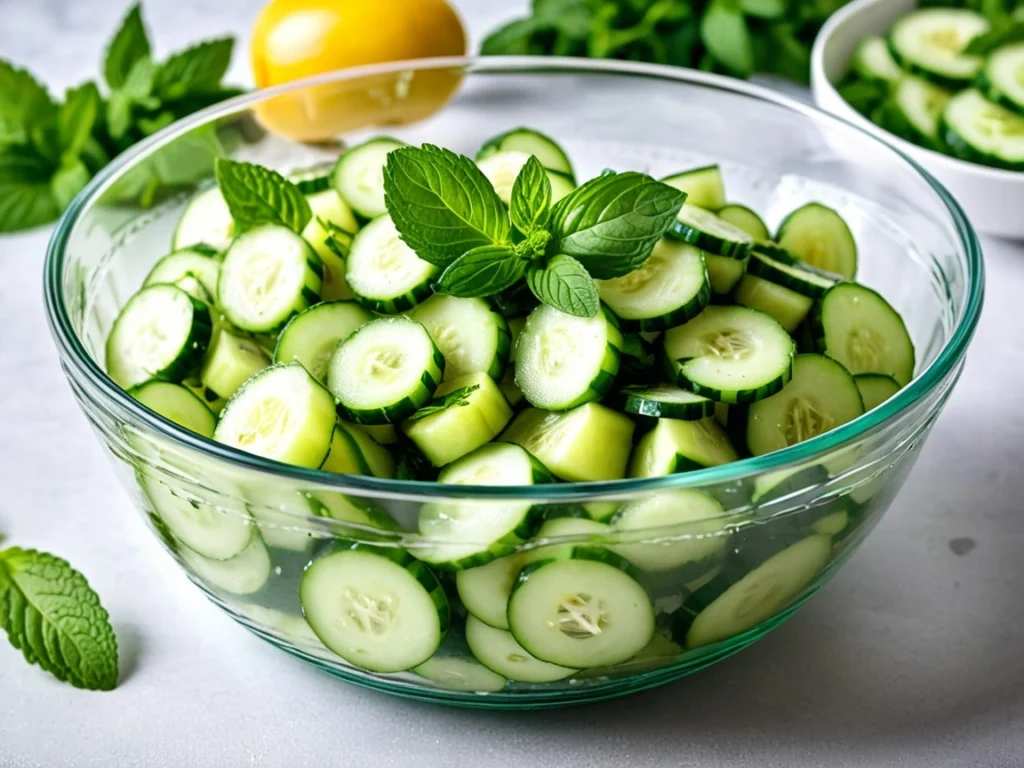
x,y
81,364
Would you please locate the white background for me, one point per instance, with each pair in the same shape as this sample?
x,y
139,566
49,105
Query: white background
x,y
912,656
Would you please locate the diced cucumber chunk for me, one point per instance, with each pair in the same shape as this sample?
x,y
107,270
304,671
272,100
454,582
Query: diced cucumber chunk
x,y
724,273
281,413
206,220
359,176
746,219
243,574
876,388
977,130
331,215
856,326
176,267
686,530
160,334
529,142
498,650
502,169
383,434
564,442
668,289
582,611
383,272
788,307
666,402
873,61
450,434
311,337
704,187
385,371
681,446
1002,80
564,361
706,231
731,354
377,608
472,336
378,458
454,673
268,275
818,235
178,404
930,42
230,362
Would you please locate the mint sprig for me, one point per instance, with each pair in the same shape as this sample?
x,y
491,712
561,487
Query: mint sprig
x,y
531,198
51,615
565,285
129,45
256,195
483,271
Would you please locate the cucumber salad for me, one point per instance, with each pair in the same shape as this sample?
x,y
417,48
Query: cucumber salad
x,y
947,79
412,313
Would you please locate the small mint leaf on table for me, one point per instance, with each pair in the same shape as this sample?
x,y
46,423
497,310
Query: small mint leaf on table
x,y
256,195
130,44
54,618
565,285
531,197
442,204
198,69
483,271
611,223
457,398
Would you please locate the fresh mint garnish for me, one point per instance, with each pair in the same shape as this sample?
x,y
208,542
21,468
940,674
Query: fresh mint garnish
x,y
611,223
54,618
565,285
531,198
198,69
442,204
256,195
77,117
457,398
483,271
130,44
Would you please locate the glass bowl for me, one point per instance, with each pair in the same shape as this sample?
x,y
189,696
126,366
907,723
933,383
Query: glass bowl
x,y
916,247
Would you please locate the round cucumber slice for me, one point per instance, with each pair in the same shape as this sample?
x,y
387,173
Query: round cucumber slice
x,y
817,235
243,574
746,219
498,650
1003,77
485,590
383,272
930,42
472,337
876,388
206,220
311,337
706,231
178,404
457,674
666,402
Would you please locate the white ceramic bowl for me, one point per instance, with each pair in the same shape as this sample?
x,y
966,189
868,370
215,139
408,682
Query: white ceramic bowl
x,y
992,198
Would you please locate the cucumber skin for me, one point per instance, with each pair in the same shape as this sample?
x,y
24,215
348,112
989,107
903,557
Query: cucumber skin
x,y
761,266
951,83
398,304
506,545
635,403
673,369
710,243
677,316
407,406
993,93
952,143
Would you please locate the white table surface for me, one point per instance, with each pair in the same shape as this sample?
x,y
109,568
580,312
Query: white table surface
x,y
912,656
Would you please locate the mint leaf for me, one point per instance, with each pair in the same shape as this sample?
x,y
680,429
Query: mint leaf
x,y
130,44
442,204
531,197
457,398
611,223
565,285
1002,33
483,271
136,91
55,619
23,102
25,198
723,30
256,195
194,70
77,117
765,9
69,180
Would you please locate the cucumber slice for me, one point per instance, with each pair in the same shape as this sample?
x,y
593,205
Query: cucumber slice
x,y
788,307
564,442
681,446
281,413
498,650
383,434
312,180
178,404
704,187
725,607
349,509
206,220
724,273
581,531
485,589
358,176
731,354
383,272
176,267
502,169
914,110
873,61
693,550
856,326
385,371
377,608
345,458
821,396
582,611
378,459
454,673
214,532
706,231
802,279
330,232
746,219
974,129
930,43
446,435
311,337
875,388
668,289
529,142
818,236
243,574
564,361
666,402
268,275
472,336
1002,79
458,535
230,362
161,333
280,514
